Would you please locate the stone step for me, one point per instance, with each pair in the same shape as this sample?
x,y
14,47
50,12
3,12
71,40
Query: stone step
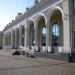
x,y
63,56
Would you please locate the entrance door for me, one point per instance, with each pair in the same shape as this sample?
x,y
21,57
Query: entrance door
x,y
55,37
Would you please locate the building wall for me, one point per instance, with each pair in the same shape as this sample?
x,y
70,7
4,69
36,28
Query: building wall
x,y
72,23
42,12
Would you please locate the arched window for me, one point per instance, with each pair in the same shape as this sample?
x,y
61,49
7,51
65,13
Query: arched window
x,y
55,30
43,36
55,34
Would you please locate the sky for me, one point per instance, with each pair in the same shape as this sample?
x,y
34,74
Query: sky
x,y
10,8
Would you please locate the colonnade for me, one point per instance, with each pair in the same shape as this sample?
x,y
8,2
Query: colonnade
x,y
30,34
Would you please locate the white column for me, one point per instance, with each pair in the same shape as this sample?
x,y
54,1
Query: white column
x,y
47,35
66,27
48,38
36,34
26,36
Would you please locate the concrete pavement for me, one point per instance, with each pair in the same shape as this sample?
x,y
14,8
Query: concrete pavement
x,y
21,65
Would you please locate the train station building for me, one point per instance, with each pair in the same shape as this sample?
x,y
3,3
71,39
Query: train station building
x,y
48,28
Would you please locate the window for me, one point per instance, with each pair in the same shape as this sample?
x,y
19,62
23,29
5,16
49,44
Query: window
x,y
55,30
43,36
44,31
55,34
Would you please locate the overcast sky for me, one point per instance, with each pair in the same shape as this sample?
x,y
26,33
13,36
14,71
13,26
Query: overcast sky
x,y
10,8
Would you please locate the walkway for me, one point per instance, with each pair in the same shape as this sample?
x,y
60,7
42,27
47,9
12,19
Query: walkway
x,y
21,65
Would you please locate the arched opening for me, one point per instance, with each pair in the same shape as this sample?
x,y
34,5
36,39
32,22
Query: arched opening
x,y
17,38
41,32
43,36
9,39
32,37
6,40
23,35
13,39
31,34
56,30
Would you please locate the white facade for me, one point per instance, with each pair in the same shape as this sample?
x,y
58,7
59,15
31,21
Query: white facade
x,y
46,13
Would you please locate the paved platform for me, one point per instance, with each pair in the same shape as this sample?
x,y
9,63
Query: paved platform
x,y
21,65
